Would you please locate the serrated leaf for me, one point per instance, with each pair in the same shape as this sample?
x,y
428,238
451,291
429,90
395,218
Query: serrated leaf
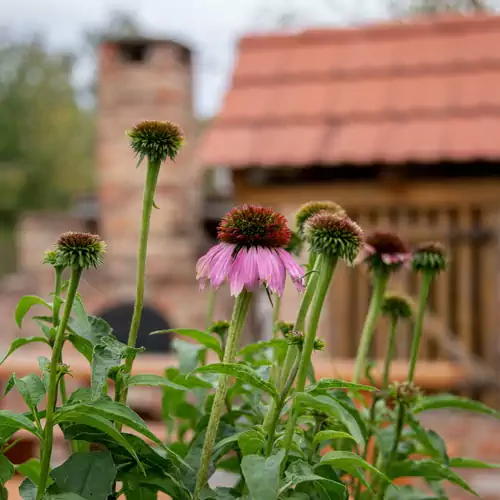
x,y
445,401
243,373
90,475
430,470
44,365
19,342
6,469
326,384
24,306
349,462
15,420
89,327
262,475
153,381
331,434
203,338
470,463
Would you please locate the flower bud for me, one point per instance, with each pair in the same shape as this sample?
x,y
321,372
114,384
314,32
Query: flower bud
x,y
429,257
319,345
295,338
220,328
404,393
81,250
335,235
284,327
51,257
156,140
311,208
397,306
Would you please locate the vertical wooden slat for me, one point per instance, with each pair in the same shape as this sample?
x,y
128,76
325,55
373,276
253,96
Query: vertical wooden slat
x,y
489,300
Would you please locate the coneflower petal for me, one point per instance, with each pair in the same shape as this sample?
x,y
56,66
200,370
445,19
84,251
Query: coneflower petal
x,y
293,269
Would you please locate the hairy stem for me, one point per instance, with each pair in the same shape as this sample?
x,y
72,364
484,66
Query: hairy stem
x,y
147,208
379,287
48,435
326,266
425,287
389,353
240,310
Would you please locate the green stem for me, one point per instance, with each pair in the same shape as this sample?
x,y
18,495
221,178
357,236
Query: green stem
x,y
240,310
52,390
211,307
147,209
425,287
326,266
317,428
276,314
311,262
292,351
389,354
365,343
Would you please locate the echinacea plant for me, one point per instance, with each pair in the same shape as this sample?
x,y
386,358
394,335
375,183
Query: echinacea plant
x,y
258,413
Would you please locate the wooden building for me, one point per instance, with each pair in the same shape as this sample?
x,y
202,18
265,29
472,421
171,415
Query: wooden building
x,y
400,124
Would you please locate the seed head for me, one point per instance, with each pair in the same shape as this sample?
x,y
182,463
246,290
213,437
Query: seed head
x,y
385,251
220,328
283,327
405,393
429,257
397,306
294,247
81,250
249,226
157,140
335,235
312,208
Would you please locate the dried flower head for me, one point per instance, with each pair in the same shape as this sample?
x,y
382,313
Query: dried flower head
x,y
295,338
384,251
398,306
157,140
319,345
220,328
83,250
249,226
405,393
284,327
250,253
429,257
335,235
294,246
312,208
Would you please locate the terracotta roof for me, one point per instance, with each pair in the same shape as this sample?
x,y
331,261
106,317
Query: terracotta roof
x,y
423,91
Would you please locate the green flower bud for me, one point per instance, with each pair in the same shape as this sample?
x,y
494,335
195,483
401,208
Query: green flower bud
x,y
157,140
405,393
429,257
398,306
312,208
283,327
295,338
319,345
52,258
220,328
334,235
81,250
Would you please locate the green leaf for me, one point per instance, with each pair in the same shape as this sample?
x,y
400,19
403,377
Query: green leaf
x,y
19,342
153,381
188,381
326,384
330,406
450,401
243,373
82,345
47,329
331,434
189,354
430,470
470,463
251,442
262,345
90,475
25,304
203,338
11,419
262,475
44,365
27,490
108,353
90,328
63,496
6,469
31,470
408,493
345,460
32,390
141,493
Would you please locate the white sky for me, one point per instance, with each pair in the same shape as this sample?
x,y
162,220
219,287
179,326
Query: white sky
x,y
210,27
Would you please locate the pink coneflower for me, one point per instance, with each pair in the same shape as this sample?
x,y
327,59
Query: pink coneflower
x,y
250,253
384,249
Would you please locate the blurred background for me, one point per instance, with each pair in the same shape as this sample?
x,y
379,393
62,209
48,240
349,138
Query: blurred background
x,y
389,107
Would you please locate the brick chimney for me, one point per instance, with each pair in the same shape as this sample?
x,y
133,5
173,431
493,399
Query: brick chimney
x,y
148,79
